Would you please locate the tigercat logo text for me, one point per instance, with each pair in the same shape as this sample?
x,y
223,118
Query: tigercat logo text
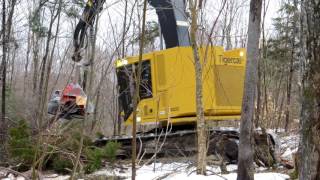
x,y
226,60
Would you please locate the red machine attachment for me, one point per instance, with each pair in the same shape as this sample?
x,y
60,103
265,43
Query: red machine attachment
x,y
69,103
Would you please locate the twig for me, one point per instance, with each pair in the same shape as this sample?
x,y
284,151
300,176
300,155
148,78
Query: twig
x,y
216,174
213,173
140,148
168,130
164,140
174,171
144,153
180,151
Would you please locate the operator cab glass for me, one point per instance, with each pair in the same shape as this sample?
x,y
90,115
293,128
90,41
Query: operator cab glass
x,y
127,84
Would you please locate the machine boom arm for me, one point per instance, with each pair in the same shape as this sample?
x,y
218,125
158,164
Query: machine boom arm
x,y
173,21
171,14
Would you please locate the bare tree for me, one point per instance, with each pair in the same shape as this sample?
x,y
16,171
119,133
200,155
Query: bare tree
x,y
43,87
201,126
291,67
6,34
119,122
27,59
310,118
263,57
137,93
245,157
36,31
3,125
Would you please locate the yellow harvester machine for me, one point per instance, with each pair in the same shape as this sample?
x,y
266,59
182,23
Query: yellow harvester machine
x,y
167,90
168,99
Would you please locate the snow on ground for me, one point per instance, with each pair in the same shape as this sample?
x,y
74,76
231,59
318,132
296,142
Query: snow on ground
x,y
288,147
171,171
56,177
184,171
289,142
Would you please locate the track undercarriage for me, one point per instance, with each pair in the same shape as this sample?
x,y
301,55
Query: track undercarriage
x,y
175,142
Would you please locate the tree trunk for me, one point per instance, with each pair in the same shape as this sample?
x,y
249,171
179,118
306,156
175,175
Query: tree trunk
x,y
245,157
119,120
201,126
136,94
25,77
310,117
46,53
264,109
289,87
43,88
48,69
35,42
6,33
13,59
291,70
124,29
263,51
3,123
36,49
259,95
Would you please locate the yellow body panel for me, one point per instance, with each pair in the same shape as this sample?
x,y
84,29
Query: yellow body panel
x,y
173,85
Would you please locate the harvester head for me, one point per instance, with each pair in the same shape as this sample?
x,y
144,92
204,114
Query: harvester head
x,y
69,103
